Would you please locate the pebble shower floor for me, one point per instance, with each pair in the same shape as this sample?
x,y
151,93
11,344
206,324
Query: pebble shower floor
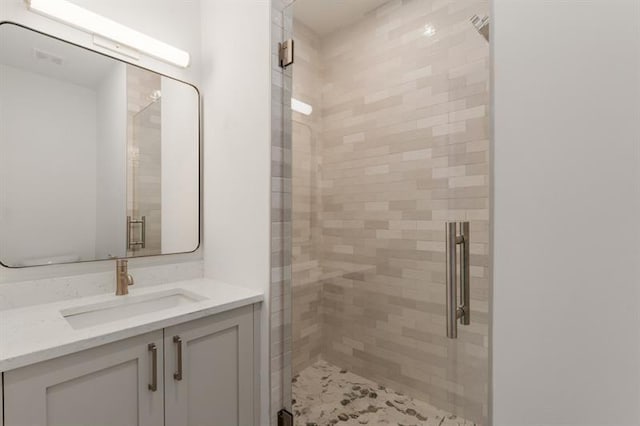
x,y
323,395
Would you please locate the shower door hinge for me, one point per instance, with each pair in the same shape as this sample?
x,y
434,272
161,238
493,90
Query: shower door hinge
x,y
285,53
285,418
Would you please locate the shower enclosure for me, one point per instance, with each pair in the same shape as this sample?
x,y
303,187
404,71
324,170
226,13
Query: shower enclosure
x,y
144,174
389,211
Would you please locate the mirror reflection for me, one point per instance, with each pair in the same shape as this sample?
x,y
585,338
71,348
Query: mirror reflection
x,y
98,158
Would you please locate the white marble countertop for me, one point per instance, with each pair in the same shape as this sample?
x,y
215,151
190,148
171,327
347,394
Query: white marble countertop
x,y
40,332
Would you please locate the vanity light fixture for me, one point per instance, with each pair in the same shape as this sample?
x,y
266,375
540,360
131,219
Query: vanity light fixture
x,y
98,25
301,107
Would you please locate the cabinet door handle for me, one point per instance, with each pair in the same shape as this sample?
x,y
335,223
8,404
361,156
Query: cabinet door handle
x,y
178,374
153,386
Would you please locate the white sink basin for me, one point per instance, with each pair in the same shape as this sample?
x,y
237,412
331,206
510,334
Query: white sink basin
x,y
126,307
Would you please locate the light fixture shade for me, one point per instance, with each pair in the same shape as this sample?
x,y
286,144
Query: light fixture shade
x,y
301,107
86,20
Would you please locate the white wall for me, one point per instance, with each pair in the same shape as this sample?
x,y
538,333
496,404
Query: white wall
x,y
174,21
237,98
566,339
47,187
179,181
111,161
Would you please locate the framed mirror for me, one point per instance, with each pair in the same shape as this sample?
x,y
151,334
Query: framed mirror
x,y
99,158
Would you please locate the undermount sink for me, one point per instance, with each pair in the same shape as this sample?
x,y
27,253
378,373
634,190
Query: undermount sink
x,y
126,307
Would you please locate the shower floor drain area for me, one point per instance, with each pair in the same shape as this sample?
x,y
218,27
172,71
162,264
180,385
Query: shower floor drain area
x,y
325,395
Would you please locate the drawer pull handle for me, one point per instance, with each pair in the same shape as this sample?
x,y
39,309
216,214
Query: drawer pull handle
x,y
153,386
178,374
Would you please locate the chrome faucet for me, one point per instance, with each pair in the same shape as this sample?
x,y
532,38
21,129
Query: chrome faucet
x,y
123,279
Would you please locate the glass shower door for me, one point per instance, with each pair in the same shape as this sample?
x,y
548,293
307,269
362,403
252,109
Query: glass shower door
x,y
396,148
144,163
144,218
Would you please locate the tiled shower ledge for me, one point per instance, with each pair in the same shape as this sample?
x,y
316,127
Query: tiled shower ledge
x,y
324,394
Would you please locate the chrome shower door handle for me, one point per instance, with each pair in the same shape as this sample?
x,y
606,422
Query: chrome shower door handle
x,y
453,310
451,275
465,275
128,232
143,232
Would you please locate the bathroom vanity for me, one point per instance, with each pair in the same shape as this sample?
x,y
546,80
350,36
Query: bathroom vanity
x,y
160,355
119,149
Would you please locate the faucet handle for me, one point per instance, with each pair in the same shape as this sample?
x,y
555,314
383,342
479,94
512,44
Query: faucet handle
x,y
130,280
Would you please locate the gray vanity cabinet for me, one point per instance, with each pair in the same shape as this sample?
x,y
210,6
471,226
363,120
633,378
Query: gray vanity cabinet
x,y
209,371
103,386
203,377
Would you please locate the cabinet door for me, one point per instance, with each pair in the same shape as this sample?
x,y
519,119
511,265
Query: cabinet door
x,y
209,371
103,386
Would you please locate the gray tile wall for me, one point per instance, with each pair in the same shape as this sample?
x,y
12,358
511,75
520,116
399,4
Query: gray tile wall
x,y
306,208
